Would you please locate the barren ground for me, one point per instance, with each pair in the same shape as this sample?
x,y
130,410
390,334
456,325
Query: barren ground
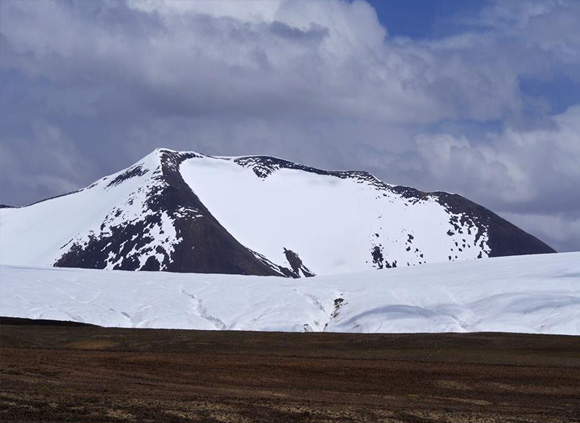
x,y
50,372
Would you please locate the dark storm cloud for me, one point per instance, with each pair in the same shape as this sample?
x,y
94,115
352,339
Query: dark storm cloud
x,y
90,87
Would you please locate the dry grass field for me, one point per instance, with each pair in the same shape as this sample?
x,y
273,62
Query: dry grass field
x,y
51,372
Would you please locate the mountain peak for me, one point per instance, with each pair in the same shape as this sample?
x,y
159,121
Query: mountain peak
x,y
261,215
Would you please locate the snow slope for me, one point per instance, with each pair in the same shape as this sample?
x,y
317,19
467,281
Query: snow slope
x,y
534,294
333,224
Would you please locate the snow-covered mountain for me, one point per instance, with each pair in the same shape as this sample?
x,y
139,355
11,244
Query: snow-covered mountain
x,y
536,294
188,212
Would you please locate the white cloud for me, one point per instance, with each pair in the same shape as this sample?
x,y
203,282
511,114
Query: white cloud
x,y
327,58
314,81
536,169
253,11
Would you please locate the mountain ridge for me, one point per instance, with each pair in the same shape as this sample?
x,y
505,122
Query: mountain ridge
x,y
259,215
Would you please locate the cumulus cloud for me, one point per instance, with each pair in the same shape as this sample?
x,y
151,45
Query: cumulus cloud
x,y
512,168
100,84
313,58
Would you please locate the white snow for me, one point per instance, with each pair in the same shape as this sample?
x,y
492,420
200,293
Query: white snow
x,y
534,294
331,223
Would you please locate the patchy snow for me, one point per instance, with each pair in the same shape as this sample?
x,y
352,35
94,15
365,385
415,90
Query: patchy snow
x,y
534,294
41,233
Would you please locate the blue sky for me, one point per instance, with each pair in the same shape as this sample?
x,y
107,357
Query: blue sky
x,y
481,98
420,19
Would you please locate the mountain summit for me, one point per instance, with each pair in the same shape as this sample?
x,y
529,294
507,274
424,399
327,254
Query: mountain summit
x,y
258,215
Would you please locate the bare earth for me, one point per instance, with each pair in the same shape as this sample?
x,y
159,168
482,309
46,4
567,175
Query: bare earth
x,y
54,373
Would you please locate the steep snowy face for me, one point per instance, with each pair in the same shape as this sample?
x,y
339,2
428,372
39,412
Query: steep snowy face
x,y
335,222
187,212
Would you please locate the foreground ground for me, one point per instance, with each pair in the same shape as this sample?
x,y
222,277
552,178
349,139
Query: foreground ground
x,y
90,374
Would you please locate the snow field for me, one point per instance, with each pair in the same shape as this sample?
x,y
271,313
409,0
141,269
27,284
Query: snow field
x,y
531,294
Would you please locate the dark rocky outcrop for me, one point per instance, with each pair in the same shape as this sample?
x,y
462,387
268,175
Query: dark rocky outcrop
x,y
296,264
505,239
